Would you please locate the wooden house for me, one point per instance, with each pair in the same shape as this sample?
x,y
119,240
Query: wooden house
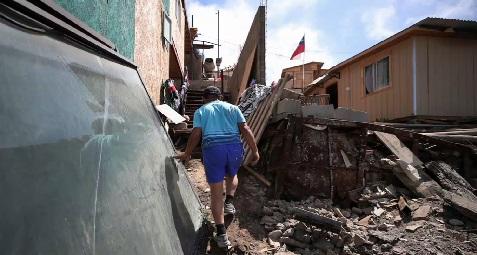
x,y
428,69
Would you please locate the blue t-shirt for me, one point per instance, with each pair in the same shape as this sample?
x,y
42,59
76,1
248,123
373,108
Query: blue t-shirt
x,y
219,121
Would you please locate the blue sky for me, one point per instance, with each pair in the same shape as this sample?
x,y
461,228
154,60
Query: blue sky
x,y
334,29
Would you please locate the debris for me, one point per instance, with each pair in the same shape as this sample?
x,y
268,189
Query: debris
x,y
465,206
317,220
258,176
456,222
323,245
357,210
378,211
359,240
275,235
346,159
317,127
289,232
397,220
365,221
293,242
422,213
414,226
450,180
391,190
338,213
398,148
274,244
403,206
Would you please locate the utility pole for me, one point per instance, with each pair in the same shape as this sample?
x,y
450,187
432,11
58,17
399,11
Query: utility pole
x,y
218,61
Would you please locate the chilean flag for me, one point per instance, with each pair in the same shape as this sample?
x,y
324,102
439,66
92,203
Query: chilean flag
x,y
299,50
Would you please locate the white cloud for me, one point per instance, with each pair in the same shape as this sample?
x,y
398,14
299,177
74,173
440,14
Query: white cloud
x,y
235,20
462,9
377,22
283,41
287,21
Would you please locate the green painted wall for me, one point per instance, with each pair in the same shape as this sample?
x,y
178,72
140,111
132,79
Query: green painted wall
x,y
115,19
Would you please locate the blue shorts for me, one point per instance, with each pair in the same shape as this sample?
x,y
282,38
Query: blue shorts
x,y
221,160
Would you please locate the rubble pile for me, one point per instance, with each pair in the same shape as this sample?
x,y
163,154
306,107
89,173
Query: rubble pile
x,y
382,225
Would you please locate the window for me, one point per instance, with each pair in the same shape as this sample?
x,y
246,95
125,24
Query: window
x,y
166,28
376,75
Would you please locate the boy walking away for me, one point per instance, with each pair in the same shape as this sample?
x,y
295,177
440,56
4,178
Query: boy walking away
x,y
219,125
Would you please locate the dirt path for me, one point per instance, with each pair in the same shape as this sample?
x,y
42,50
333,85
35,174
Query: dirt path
x,y
245,232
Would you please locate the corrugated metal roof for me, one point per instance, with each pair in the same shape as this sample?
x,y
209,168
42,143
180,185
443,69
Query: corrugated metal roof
x,y
461,25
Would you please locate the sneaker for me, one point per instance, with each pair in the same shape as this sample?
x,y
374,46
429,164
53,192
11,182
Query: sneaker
x,y
222,241
229,208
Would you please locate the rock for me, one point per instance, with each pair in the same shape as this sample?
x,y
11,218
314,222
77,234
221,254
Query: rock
x,y
289,232
384,237
290,223
365,221
367,210
338,213
300,226
346,213
346,251
302,236
293,242
267,211
386,247
323,245
456,222
337,241
343,220
414,226
398,251
275,235
278,217
346,236
358,240
269,227
268,220
357,210
378,211
280,226
422,213
207,190
397,220
274,244
383,227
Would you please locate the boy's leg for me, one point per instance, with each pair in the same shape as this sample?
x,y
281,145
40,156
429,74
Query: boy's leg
x,y
231,184
234,160
215,161
217,202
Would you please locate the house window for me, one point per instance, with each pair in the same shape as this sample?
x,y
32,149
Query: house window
x,y
166,28
376,75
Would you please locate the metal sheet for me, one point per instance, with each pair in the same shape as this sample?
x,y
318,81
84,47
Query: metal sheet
x,y
85,164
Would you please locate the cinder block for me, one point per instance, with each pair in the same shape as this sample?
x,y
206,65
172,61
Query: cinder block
x,y
318,111
289,106
350,115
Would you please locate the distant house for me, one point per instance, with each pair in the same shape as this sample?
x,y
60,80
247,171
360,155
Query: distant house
x,y
312,71
428,69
